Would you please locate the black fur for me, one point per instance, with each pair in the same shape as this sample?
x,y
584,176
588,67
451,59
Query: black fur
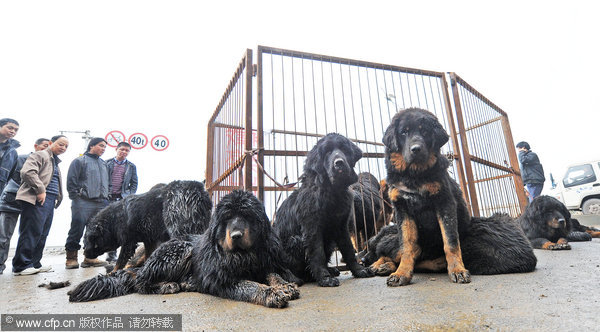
x,y
369,207
493,245
548,225
238,257
314,218
427,202
164,212
497,245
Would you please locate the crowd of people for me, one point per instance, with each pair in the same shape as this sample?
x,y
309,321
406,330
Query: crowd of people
x,y
31,186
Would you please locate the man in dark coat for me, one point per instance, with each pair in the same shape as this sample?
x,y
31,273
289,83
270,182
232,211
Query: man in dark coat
x,y
532,171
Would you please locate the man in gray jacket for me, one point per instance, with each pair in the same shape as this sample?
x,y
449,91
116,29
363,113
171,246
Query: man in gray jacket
x,y
87,184
10,208
40,193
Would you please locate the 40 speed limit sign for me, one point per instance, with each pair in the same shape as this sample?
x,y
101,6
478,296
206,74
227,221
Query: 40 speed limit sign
x,y
138,141
159,142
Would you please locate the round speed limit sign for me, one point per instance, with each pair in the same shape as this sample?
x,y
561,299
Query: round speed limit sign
x,y
159,142
138,140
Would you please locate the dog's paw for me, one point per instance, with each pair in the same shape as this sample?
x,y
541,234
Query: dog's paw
x,y
382,269
276,297
363,273
559,246
329,282
290,290
460,276
334,272
169,288
396,280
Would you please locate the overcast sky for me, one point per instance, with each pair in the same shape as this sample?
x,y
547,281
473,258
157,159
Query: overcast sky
x,y
160,67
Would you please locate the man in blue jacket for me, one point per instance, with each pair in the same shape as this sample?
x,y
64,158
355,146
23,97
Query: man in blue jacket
x,y
8,149
87,184
122,180
10,208
532,171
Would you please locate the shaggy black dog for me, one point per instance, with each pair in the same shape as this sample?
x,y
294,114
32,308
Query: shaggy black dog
x,y
164,212
369,209
314,218
428,205
548,225
493,245
238,257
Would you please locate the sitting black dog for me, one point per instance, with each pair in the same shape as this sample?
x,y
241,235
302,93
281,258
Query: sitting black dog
x,y
314,218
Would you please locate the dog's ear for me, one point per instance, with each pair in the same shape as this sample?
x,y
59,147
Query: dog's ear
x,y
356,153
389,138
440,137
314,162
564,211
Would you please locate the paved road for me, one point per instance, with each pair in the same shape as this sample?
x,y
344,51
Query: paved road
x,y
561,294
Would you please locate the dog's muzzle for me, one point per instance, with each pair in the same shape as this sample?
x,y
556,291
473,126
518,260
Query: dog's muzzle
x,y
339,165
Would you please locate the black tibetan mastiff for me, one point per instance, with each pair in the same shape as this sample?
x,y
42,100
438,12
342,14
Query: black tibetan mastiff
x,y
369,209
548,225
239,257
164,212
314,218
428,205
493,245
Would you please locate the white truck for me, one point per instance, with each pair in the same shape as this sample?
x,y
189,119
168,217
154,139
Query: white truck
x,y
580,188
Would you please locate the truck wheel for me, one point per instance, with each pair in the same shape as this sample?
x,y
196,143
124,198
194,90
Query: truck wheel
x,y
591,206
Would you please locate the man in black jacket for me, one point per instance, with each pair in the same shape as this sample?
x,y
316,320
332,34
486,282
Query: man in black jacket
x,y
87,184
532,171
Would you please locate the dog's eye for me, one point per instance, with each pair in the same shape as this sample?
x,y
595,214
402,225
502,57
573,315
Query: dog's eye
x,y
404,132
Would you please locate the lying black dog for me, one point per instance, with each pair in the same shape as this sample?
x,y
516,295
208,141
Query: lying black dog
x,y
238,257
548,225
314,218
493,245
164,212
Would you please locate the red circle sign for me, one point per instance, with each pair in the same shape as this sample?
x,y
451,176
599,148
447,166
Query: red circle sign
x,y
114,137
159,142
138,140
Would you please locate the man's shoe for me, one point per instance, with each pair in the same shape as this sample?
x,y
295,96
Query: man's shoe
x,y
88,262
71,260
27,271
45,268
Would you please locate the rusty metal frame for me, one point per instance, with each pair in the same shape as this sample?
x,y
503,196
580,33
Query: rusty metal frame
x,y
511,170
242,163
240,166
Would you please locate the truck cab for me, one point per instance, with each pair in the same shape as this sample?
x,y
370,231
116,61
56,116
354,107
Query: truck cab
x,y
579,189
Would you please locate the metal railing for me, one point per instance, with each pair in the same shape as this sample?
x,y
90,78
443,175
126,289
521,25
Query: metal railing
x,y
301,97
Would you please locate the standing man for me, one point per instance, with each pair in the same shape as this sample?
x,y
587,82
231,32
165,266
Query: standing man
x,y
532,171
10,208
123,180
8,149
87,184
40,193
